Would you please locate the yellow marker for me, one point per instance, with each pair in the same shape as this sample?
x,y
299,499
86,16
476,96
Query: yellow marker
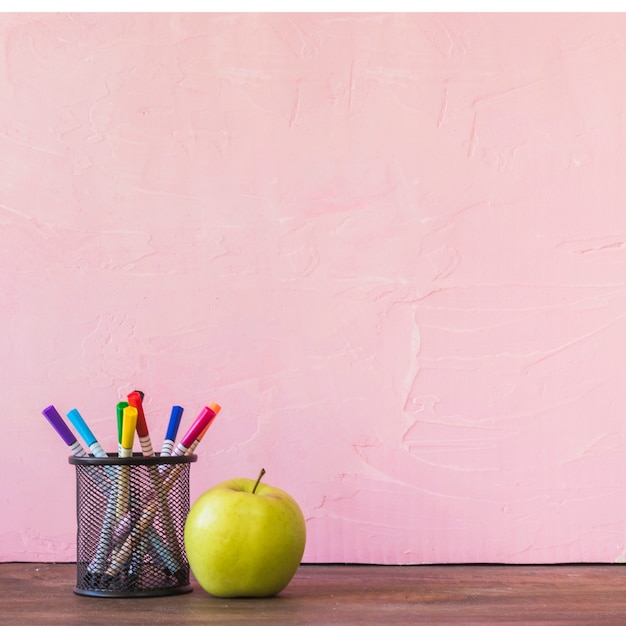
x,y
129,425
121,554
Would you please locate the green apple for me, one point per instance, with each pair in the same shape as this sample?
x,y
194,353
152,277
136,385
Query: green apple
x,y
244,539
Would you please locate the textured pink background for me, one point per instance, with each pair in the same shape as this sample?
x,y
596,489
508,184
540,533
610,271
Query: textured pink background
x,y
393,247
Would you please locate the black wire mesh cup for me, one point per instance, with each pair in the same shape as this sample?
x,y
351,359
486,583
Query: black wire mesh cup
x,y
131,516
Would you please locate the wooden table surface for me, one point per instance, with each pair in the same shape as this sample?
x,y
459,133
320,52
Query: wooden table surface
x,y
41,593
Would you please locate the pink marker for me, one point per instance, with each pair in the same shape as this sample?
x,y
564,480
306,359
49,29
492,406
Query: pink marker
x,y
197,430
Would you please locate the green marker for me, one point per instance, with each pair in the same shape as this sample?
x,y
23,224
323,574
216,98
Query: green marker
x,y
120,421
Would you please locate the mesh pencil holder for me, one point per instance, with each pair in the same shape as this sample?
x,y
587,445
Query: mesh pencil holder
x,y
131,515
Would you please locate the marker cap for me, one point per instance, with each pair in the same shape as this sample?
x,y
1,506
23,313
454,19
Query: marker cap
x,y
56,421
206,415
134,400
79,424
174,423
129,426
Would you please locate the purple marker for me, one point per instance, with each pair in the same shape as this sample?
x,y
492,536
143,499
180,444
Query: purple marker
x,y
52,415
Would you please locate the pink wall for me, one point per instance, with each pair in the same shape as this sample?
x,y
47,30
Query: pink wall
x,y
393,247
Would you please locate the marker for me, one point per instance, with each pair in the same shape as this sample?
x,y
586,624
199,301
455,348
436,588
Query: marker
x,y
135,400
52,415
207,415
96,449
85,432
129,424
160,553
201,434
120,421
172,430
189,442
123,553
98,564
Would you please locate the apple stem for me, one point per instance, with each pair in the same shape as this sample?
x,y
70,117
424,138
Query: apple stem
x,y
258,480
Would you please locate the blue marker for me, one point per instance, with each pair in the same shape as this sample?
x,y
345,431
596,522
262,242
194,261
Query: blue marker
x,y
84,431
172,431
55,419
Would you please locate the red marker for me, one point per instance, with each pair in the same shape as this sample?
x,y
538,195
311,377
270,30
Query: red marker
x,y
135,400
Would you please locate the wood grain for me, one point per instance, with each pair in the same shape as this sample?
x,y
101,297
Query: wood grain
x,y
41,593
